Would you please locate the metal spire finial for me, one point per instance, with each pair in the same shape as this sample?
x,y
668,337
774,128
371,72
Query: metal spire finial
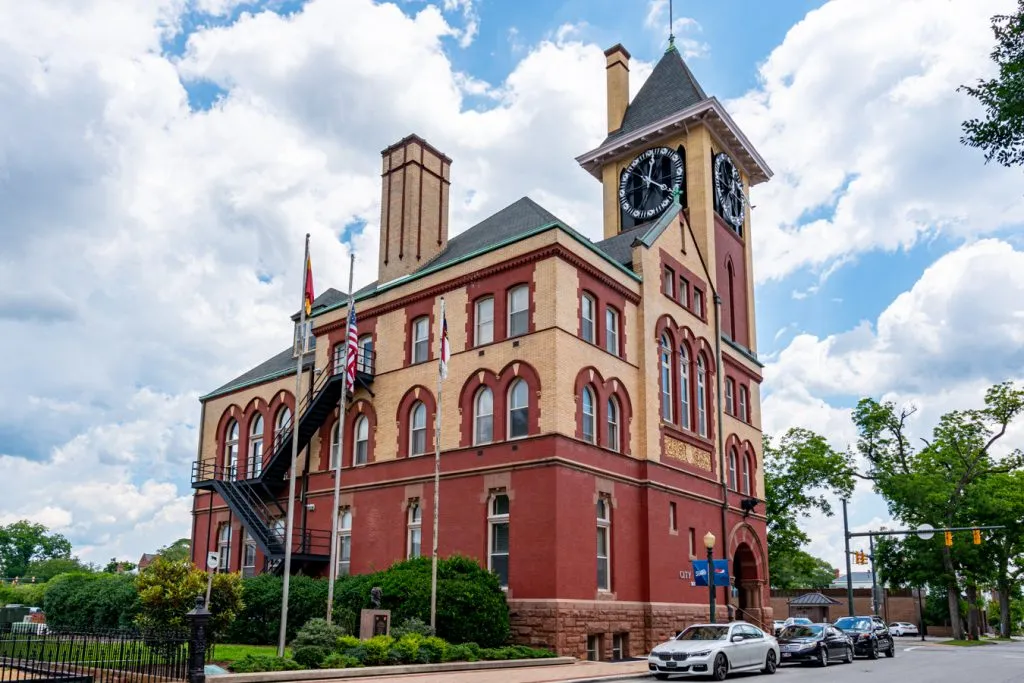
x,y
671,37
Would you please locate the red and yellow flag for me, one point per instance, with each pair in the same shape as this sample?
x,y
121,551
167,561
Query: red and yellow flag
x,y
308,298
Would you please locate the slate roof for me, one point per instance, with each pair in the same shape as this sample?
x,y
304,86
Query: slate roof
x,y
279,365
620,247
813,600
670,88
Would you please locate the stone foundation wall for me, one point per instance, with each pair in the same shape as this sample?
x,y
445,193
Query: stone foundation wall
x,y
619,629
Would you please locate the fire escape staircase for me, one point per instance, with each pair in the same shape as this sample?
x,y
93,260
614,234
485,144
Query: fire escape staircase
x,y
255,496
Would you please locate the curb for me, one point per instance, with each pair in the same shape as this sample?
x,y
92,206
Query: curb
x,y
396,670
610,679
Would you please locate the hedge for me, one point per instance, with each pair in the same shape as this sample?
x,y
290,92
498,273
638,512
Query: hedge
x,y
91,601
259,621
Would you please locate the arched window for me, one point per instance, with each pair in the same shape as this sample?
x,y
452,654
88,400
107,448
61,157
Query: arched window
x,y
418,429
335,446
666,379
587,318
684,387
518,409
587,399
231,450
702,403
362,439
732,300
497,522
746,475
604,529
255,446
613,424
344,542
732,468
744,414
282,424
483,416
415,521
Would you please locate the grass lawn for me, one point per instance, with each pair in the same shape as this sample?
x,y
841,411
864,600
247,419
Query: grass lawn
x,y
965,643
225,652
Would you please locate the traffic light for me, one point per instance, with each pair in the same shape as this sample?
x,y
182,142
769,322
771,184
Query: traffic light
x,y
949,538
859,557
977,537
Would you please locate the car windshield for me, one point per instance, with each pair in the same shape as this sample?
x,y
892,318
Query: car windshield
x,y
801,631
704,633
851,623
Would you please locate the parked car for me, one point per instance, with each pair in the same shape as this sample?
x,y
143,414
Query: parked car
x,y
716,650
869,635
903,628
791,621
820,643
778,626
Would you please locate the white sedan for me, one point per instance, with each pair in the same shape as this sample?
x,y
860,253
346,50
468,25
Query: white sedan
x,y
903,628
716,650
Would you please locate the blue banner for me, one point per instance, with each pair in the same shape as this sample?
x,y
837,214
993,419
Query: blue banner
x,y
700,572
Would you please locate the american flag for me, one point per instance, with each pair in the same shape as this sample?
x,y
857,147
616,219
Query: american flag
x,y
353,348
446,349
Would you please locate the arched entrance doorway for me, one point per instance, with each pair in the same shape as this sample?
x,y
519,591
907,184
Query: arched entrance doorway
x,y
748,575
745,577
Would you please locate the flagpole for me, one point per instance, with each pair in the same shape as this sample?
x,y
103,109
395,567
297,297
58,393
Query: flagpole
x,y
437,481
290,521
333,575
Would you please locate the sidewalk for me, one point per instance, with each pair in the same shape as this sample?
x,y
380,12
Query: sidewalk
x,y
580,671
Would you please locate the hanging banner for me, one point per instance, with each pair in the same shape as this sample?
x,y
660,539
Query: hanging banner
x,y
700,572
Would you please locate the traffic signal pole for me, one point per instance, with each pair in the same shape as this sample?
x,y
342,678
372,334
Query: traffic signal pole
x,y
849,575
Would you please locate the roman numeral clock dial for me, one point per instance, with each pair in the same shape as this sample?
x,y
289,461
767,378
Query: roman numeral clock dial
x,y
730,203
649,182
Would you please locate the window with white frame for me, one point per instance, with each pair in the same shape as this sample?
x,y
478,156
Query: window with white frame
x,y
611,330
587,307
518,409
362,439
255,446
730,396
669,282
304,338
604,529
483,320
614,419
666,379
231,449
698,303
732,468
415,534
518,310
364,362
702,410
277,529
746,476
339,358
418,429
483,416
344,542
281,425
684,387
224,548
497,522
588,414
335,446
744,415
420,339
249,556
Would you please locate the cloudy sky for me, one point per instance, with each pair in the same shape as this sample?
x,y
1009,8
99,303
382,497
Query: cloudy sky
x,y
161,160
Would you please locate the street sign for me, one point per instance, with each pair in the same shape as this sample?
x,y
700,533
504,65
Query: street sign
x,y
212,559
925,531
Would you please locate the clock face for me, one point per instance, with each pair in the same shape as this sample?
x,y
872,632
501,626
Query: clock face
x,y
648,184
729,199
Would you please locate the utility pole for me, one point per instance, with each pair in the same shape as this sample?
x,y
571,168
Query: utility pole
x,y
849,576
874,585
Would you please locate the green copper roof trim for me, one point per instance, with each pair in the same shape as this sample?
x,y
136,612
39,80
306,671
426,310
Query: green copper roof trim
x,y
429,270
250,383
659,227
743,351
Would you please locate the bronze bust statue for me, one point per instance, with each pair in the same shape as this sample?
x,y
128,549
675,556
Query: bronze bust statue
x,y
375,597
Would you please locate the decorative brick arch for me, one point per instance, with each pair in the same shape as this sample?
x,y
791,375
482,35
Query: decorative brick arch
x,y
416,393
603,390
282,399
744,451
680,335
257,406
232,412
361,408
517,370
467,398
743,536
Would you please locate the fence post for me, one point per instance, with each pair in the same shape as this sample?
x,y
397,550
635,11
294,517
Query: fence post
x,y
198,619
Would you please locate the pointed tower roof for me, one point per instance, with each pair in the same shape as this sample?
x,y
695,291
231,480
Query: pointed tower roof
x,y
670,88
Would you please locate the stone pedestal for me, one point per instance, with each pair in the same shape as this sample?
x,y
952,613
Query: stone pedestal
x,y
374,622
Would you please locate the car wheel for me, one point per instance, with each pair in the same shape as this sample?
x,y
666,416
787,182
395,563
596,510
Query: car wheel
x,y
873,650
891,652
721,668
822,656
849,655
770,664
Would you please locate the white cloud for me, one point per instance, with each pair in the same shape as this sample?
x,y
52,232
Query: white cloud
x,y
657,19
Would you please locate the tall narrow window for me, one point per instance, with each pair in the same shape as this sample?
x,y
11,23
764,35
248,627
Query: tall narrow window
x,y
231,450
746,475
518,409
497,522
684,292
588,414
339,358
255,446
304,338
744,415
418,429
684,387
483,416
281,425
698,303
249,556
613,424
362,439
483,317
587,318
604,528
345,542
420,339
335,446
415,531
611,330
732,468
518,310
672,517
364,361
730,396
666,379
702,406
224,548
669,282
732,301
693,542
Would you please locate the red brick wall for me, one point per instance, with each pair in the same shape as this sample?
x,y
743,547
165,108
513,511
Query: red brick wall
x,y
729,249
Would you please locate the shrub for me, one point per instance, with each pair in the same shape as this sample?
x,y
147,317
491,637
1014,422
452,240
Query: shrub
x,y
254,663
433,649
259,620
459,653
412,625
310,656
339,661
168,590
90,601
377,649
317,632
405,650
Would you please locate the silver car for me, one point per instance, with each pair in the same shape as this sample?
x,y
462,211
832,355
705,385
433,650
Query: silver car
x,y
715,650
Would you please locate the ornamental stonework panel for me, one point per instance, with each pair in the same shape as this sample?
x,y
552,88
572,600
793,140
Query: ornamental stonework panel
x,y
688,453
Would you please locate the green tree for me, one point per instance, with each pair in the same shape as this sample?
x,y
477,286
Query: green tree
x,y
799,569
177,551
44,570
168,590
22,542
998,500
116,566
1001,133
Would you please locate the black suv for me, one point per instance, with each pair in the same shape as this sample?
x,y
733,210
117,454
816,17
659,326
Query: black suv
x,y
869,634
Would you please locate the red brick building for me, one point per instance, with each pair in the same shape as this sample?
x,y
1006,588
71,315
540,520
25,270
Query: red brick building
x,y
590,439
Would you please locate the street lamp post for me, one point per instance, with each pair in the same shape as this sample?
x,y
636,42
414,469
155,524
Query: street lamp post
x,y
709,543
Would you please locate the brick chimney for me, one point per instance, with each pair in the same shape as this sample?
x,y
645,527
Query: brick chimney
x,y
618,84
414,206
